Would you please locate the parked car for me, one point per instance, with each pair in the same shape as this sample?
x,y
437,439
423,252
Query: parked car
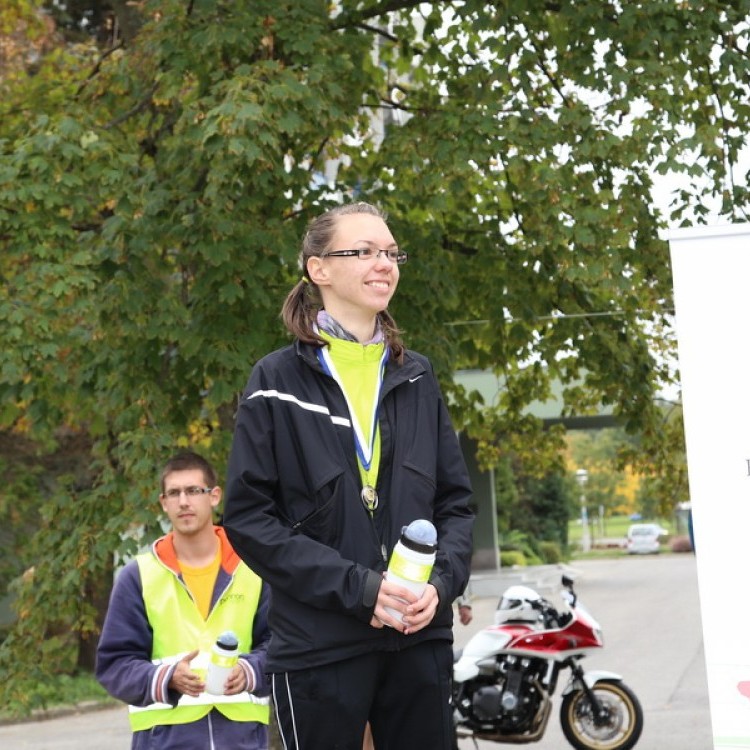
x,y
643,538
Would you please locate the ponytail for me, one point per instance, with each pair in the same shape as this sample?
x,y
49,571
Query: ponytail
x,y
300,310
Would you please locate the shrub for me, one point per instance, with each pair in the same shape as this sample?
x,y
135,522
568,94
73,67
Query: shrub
x,y
681,544
512,557
518,541
550,552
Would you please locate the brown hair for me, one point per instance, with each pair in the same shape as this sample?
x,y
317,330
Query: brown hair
x,y
304,300
186,460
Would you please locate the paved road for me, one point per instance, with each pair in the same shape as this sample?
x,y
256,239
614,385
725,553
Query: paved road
x,y
648,609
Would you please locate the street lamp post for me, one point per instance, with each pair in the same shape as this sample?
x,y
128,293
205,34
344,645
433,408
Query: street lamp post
x,y
582,476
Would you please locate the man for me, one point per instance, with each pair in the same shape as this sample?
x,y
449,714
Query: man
x,y
167,609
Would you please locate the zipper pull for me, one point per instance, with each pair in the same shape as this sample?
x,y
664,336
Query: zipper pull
x,y
384,553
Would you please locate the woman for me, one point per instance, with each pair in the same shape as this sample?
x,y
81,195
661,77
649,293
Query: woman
x,y
341,440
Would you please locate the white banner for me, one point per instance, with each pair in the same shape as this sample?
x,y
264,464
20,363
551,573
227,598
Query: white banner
x,y
711,273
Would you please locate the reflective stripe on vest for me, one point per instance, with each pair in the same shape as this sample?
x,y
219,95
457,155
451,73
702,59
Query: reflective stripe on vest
x,y
178,629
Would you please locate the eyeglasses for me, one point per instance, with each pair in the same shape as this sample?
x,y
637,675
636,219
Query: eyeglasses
x,y
175,492
367,253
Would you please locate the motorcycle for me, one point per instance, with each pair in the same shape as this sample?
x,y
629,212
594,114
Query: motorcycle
x,y
505,676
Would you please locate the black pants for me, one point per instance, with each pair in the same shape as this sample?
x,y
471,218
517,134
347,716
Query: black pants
x,y
405,695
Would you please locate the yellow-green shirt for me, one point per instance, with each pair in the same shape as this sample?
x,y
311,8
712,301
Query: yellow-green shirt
x,y
359,370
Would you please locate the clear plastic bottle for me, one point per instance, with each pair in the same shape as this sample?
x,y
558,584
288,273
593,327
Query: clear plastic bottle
x,y
412,558
224,655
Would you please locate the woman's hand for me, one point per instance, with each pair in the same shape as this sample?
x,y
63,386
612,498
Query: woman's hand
x,y
421,613
418,612
395,597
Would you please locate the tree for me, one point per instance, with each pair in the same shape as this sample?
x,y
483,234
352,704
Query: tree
x,y
153,194
611,483
545,508
531,507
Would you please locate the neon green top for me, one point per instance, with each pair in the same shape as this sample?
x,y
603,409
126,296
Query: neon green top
x,y
359,373
178,628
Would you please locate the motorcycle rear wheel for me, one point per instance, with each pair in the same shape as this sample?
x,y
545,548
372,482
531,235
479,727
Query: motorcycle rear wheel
x,y
622,728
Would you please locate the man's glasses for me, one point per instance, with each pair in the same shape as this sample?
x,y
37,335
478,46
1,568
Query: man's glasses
x,y
175,492
367,253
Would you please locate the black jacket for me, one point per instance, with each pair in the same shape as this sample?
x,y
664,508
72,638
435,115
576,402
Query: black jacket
x,y
293,510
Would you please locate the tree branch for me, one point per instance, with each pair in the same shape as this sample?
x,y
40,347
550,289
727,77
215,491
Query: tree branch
x,y
727,163
355,18
95,70
383,100
352,18
511,195
318,152
133,111
376,30
548,73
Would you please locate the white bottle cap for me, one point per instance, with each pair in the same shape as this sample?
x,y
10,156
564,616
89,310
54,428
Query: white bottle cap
x,y
420,535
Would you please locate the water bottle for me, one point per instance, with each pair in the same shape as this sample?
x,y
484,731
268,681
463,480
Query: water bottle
x,y
412,559
224,655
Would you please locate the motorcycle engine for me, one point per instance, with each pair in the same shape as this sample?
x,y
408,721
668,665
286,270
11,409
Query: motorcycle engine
x,y
486,703
507,701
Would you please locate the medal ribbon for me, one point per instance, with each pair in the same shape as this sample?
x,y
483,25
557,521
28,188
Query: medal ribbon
x,y
363,447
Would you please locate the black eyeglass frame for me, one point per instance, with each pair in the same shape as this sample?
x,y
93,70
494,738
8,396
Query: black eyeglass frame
x,y
399,257
194,491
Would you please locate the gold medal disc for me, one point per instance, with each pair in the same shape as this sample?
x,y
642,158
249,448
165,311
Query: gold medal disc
x,y
369,497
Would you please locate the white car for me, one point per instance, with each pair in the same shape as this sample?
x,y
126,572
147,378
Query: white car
x,y
643,538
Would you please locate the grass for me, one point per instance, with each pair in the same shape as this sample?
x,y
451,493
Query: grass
x,y
62,691
614,527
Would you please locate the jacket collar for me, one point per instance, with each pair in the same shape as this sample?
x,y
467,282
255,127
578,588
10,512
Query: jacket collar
x,y
395,373
163,549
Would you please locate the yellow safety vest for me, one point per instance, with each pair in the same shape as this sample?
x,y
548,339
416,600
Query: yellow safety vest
x,y
178,629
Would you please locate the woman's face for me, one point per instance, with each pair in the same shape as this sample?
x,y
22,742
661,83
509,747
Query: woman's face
x,y
352,285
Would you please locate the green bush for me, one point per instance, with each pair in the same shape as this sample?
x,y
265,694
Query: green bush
x,y
550,552
512,557
518,541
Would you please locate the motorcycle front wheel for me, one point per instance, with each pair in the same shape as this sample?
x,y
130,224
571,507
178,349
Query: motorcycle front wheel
x,y
619,728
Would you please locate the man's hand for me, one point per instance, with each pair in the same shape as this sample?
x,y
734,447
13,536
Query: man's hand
x,y
236,681
184,680
465,614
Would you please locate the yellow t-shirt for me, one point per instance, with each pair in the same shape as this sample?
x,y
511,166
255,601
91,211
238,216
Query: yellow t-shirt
x,y
201,581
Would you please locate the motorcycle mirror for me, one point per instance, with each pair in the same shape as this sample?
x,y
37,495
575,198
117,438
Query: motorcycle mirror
x,y
567,582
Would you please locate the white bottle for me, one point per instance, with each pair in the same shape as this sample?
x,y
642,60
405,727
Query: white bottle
x,y
412,559
224,655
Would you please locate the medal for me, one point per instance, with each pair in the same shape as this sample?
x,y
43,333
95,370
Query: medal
x,y
369,497
363,446
364,438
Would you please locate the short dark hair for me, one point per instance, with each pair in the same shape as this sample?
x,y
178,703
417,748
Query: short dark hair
x,y
186,460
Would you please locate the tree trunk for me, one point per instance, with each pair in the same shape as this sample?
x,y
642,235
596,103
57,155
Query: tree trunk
x,y
96,593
